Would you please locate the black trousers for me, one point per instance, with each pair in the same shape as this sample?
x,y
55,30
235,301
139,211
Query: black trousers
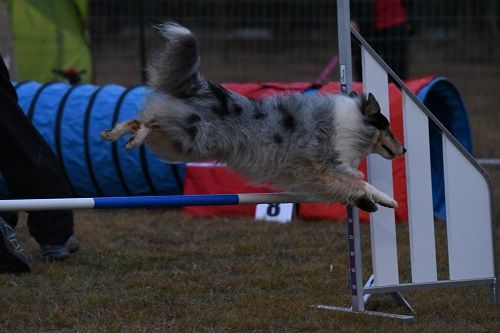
x,y
391,44
30,168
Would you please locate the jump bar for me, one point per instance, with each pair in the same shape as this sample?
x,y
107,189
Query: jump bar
x,y
151,201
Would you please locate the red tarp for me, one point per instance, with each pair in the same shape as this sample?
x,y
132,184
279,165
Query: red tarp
x,y
206,179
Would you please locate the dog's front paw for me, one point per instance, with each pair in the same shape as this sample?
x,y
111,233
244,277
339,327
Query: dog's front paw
x,y
385,200
366,204
388,202
380,197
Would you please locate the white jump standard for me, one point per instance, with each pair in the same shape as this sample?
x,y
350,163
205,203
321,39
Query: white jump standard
x,y
469,217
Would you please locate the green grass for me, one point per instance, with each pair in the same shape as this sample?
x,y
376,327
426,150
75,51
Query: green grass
x,y
161,271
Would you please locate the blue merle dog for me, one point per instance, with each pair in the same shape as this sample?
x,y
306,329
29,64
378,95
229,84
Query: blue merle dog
x,y
308,144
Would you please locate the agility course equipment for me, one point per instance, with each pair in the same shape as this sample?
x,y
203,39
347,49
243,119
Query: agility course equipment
x,y
469,218
71,117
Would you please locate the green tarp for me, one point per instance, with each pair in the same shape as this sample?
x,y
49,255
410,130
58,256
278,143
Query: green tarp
x,y
49,35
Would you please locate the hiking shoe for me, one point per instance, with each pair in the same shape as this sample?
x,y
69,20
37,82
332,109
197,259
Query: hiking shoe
x,y
13,259
72,244
60,252
51,253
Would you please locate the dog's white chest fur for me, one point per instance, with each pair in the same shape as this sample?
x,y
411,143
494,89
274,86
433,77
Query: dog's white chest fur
x,y
349,131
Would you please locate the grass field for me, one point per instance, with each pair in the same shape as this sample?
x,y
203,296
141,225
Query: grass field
x,y
161,271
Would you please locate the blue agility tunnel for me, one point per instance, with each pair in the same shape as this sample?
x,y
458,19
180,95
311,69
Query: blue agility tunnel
x,y
70,119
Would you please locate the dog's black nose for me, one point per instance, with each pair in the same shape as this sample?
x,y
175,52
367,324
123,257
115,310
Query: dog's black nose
x,y
404,150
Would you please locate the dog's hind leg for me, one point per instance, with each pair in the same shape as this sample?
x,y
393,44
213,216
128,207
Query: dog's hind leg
x,y
120,130
138,137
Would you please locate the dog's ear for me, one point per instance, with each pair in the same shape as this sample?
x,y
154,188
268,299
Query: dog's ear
x,y
371,106
353,94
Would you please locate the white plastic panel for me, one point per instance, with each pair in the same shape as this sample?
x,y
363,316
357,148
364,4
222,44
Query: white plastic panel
x,y
383,227
419,191
468,217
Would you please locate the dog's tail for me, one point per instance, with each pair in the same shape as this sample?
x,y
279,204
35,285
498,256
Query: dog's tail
x,y
175,70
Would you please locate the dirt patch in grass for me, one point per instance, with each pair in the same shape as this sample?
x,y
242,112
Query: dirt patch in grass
x,y
159,270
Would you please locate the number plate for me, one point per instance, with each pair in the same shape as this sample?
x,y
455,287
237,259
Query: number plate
x,y
281,213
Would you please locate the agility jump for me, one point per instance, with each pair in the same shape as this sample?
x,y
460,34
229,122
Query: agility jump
x,y
469,218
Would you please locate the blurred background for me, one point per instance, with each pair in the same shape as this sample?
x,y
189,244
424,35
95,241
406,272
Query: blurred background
x,y
252,41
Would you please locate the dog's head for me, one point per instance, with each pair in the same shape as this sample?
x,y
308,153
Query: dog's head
x,y
384,142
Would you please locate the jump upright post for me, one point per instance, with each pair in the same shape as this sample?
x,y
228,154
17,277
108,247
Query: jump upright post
x,y
353,231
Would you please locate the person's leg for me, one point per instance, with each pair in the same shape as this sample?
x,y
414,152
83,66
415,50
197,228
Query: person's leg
x,y
30,168
391,45
357,74
400,50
